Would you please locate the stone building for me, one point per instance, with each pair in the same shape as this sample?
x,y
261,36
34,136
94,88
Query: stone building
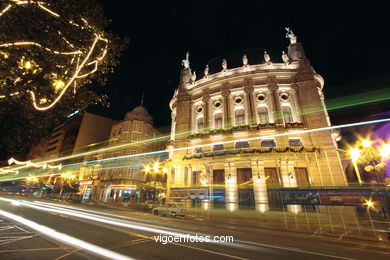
x,y
240,134
117,180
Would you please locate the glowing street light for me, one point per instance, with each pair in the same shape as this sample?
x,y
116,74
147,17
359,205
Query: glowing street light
x,y
355,154
385,151
366,143
370,204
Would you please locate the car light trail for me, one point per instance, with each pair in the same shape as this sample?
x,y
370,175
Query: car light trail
x,y
65,238
205,145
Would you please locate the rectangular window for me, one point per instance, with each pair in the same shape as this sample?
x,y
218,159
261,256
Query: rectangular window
x,y
243,144
287,114
268,143
131,173
302,177
295,142
218,176
137,126
186,176
244,175
135,137
263,115
195,177
173,176
272,177
218,120
200,124
240,116
217,147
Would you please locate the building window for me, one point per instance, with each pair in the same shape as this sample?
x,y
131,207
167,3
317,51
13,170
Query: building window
x,y
240,116
287,114
263,115
218,120
173,176
218,177
195,177
131,173
295,142
186,176
268,143
200,124
243,144
198,149
135,137
137,126
217,147
302,176
244,175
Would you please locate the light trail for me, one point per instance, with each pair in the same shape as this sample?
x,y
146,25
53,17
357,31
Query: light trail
x,y
205,145
66,239
236,140
240,244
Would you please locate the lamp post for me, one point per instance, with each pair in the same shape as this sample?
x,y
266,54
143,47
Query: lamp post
x,y
355,154
370,204
156,168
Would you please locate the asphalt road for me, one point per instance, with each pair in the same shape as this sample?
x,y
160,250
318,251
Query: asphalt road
x,y
42,230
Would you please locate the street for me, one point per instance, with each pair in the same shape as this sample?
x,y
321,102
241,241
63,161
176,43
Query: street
x,y
113,233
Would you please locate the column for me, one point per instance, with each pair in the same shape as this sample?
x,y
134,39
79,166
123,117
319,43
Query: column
x,y
250,110
206,112
231,188
289,180
259,186
276,110
297,109
226,108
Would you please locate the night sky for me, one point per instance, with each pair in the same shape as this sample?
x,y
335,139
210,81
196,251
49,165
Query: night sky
x,y
344,44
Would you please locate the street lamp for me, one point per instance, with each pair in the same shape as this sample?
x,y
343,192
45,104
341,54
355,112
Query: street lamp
x,y
156,168
370,204
355,154
385,151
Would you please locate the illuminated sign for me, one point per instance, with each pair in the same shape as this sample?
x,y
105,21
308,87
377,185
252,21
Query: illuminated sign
x,y
123,187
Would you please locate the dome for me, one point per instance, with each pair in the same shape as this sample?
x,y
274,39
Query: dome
x,y
140,113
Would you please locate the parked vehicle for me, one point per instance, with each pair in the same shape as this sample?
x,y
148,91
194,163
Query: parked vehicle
x,y
170,209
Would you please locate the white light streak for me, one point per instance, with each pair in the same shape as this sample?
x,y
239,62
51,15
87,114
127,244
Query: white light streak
x,y
65,238
192,147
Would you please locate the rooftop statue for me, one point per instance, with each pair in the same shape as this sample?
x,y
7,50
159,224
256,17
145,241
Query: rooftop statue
x,y
245,60
193,77
291,35
206,70
285,58
224,64
267,58
186,62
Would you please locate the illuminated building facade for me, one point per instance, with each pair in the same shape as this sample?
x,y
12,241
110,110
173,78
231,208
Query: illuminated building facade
x,y
235,135
116,180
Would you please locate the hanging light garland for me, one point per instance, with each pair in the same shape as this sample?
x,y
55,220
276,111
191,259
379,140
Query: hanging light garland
x,y
48,82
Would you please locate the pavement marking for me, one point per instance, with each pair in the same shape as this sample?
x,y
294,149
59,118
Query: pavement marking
x,y
68,254
32,249
286,248
16,239
64,238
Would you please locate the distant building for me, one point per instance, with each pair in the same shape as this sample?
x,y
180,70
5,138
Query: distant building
x,y
116,180
236,138
78,131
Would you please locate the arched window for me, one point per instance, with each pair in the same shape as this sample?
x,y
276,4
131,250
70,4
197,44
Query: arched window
x,y
263,114
240,116
218,120
200,124
287,114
